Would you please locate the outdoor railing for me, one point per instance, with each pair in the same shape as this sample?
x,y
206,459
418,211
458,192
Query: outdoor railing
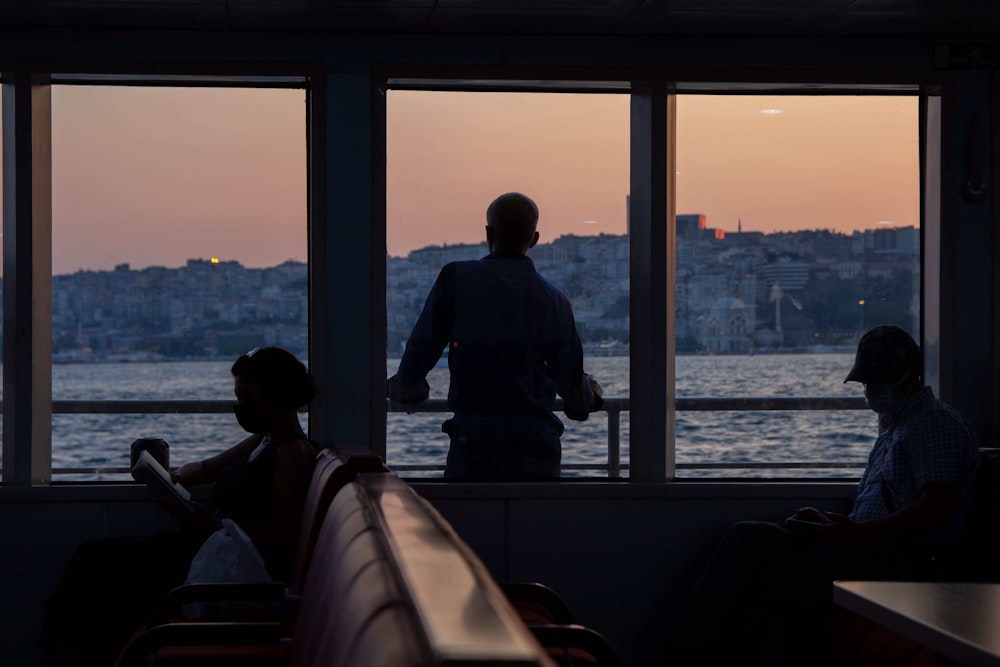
x,y
614,407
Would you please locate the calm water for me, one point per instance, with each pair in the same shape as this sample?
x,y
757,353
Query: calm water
x,y
795,436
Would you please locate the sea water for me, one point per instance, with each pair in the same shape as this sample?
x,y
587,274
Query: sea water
x,y
718,437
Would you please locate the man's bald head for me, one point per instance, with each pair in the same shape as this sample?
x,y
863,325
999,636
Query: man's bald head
x,y
511,221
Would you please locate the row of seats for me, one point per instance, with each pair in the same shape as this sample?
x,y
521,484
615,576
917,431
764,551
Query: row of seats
x,y
380,578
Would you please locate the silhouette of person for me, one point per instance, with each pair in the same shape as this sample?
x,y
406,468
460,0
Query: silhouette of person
x,y
512,346
110,585
768,579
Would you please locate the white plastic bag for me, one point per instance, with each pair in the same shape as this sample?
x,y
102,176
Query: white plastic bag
x,y
227,556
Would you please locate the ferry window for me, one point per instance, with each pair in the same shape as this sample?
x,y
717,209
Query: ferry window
x,y
178,243
797,229
452,153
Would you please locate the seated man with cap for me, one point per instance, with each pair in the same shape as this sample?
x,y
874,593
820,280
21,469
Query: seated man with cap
x,y
908,509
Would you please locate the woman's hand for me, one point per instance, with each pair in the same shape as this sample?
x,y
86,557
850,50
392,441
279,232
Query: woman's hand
x,y
189,474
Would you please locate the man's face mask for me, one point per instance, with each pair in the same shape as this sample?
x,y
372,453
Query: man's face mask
x,y
881,398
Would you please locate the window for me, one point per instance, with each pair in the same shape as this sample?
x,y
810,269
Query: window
x,y
178,243
798,227
449,155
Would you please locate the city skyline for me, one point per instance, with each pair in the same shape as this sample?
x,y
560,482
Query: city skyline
x,y
157,176
235,261
728,293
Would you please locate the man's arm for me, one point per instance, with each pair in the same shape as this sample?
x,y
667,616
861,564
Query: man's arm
x,y
580,392
935,506
941,458
427,340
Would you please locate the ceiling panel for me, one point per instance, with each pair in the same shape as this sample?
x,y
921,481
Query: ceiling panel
x,y
691,17
166,14
324,18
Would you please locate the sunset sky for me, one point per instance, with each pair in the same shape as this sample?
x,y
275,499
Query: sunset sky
x,y
161,175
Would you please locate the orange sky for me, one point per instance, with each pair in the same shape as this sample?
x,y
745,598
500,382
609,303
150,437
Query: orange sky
x,y
841,163
158,176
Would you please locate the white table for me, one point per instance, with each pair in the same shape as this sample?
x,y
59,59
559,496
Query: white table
x,y
959,620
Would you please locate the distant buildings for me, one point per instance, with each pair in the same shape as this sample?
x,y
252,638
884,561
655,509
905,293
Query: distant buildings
x,y
203,309
736,293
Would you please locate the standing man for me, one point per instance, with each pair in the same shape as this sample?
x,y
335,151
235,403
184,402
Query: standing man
x,y
512,346
769,579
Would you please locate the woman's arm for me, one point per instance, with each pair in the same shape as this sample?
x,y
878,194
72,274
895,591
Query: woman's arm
x,y
207,470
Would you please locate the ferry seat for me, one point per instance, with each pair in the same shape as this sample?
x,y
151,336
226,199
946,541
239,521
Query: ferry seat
x,y
550,620
345,589
977,555
336,466
574,645
536,603
389,583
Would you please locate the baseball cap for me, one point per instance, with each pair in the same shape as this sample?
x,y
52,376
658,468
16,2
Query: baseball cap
x,y
884,355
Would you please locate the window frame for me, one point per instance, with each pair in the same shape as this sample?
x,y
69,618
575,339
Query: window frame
x,y
27,220
345,122
653,402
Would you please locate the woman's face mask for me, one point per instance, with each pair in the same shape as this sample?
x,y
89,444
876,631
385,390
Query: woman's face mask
x,y
251,418
248,410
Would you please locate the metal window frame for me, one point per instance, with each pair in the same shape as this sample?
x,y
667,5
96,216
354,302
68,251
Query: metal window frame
x,y
27,228
652,208
27,279
346,234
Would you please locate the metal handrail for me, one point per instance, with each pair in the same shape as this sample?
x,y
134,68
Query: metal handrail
x,y
615,406
612,406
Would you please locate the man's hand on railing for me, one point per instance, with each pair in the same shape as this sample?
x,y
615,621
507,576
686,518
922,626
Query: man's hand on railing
x,y
595,386
397,392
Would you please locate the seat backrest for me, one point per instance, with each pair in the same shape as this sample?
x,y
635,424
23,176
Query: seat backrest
x,y
390,583
351,588
464,616
335,467
979,542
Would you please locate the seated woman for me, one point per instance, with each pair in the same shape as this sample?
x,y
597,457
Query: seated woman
x,y
260,483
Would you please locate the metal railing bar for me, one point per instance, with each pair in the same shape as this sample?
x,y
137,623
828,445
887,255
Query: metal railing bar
x,y
431,467
690,404
612,406
740,465
772,465
775,403
140,407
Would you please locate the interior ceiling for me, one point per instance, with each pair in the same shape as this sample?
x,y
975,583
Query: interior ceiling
x,y
970,18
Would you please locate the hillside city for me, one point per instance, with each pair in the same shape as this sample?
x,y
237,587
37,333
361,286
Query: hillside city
x,y
737,293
